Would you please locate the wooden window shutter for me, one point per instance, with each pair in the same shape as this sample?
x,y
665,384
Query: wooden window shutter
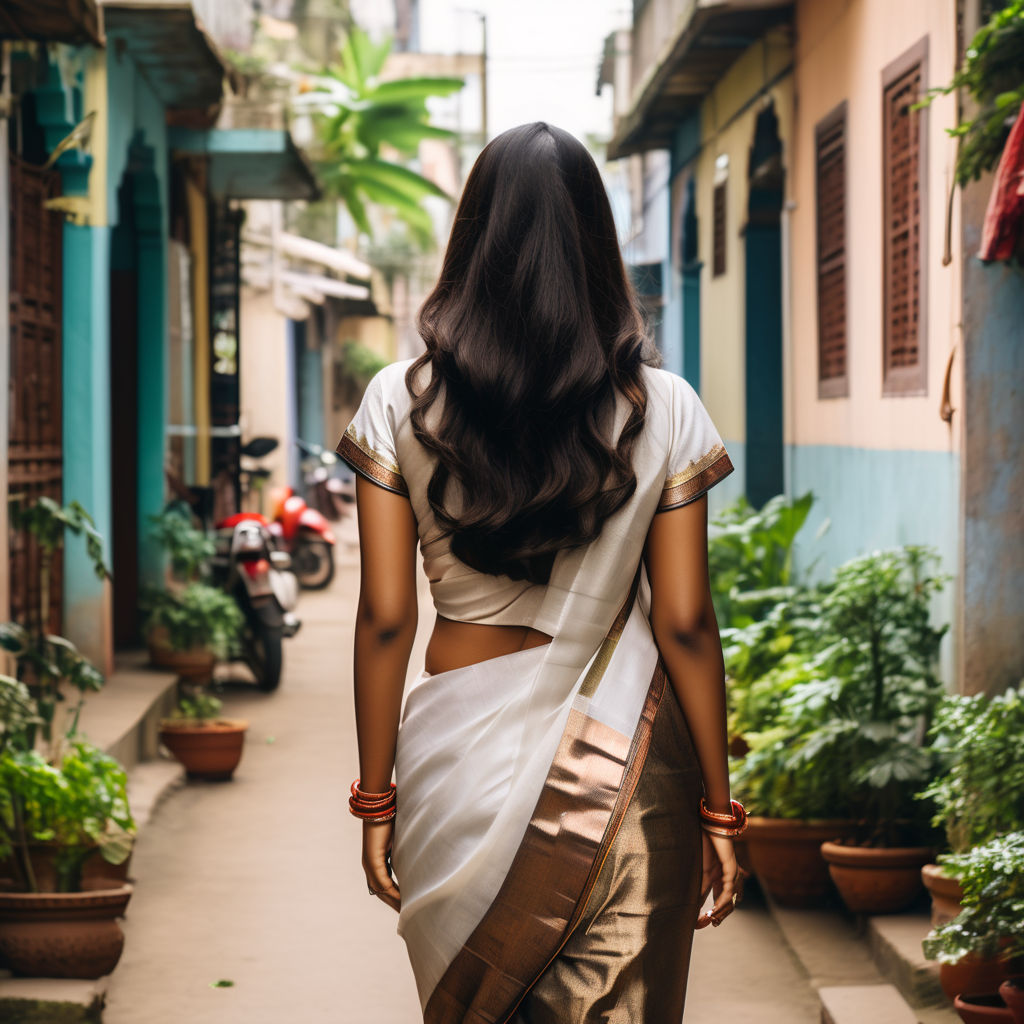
x,y
905,208
830,174
718,230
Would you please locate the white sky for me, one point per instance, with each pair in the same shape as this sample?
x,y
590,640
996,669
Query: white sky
x,y
543,57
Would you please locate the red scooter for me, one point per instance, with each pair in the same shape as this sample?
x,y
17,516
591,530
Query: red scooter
x,y
307,536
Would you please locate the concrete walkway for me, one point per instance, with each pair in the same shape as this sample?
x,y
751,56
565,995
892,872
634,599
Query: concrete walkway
x,y
258,881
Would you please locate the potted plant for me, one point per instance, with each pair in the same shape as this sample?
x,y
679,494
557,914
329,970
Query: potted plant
x,y
191,628
209,746
989,927
979,793
881,656
63,804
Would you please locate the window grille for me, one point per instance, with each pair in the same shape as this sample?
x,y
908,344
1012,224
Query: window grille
x,y
830,159
718,227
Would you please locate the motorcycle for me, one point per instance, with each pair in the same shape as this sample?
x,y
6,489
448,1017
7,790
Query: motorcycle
x,y
326,489
248,566
307,536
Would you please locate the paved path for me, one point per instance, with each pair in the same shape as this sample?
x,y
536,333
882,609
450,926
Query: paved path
x,y
258,882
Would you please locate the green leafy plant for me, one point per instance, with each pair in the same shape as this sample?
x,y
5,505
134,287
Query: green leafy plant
x,y
45,661
197,616
993,74
199,707
750,557
989,925
361,117
17,714
843,725
189,549
979,793
80,805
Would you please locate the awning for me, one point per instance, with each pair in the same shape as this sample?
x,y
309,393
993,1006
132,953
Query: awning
x,y
57,21
704,47
250,163
338,260
178,59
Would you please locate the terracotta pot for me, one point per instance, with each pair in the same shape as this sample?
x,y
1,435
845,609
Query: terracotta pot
x,y
946,893
982,1009
210,751
96,872
742,852
195,664
973,976
786,857
876,880
1012,991
62,934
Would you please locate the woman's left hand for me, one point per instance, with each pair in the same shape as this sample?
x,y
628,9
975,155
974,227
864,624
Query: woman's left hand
x,y
377,840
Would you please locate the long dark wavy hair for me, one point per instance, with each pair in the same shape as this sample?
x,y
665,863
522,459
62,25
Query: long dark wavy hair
x,y
531,330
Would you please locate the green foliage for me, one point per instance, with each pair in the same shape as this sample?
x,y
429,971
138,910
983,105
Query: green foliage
x,y
993,74
989,925
750,556
200,707
46,522
197,616
18,713
839,725
189,549
363,115
980,791
360,362
80,804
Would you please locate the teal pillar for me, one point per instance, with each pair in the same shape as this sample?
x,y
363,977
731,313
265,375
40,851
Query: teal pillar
x,y
86,368
151,268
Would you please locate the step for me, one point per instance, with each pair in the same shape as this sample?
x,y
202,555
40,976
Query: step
x,y
857,1004
895,944
50,1000
123,718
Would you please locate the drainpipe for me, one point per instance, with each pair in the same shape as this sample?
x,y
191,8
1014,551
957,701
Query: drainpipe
x,y
788,356
5,327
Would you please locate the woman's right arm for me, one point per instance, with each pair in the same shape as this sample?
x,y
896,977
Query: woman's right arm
x,y
686,632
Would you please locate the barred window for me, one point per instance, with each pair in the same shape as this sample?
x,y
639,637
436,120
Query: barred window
x,y
830,174
904,164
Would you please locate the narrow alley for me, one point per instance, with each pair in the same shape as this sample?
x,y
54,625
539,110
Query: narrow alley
x,y
257,882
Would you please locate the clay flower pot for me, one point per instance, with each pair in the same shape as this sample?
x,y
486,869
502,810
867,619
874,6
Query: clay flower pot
x,y
97,873
786,857
1012,991
982,1010
210,750
972,976
62,934
946,893
876,880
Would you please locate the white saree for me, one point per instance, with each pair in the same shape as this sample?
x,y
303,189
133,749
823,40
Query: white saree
x,y
514,774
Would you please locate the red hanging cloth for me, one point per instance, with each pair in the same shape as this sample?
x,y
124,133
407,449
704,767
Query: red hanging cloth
x,y
1004,217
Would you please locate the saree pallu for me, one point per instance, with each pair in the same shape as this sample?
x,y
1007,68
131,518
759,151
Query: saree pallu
x,y
547,841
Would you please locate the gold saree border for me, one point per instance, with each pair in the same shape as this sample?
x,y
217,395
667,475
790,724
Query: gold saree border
x,y
588,788
357,452
699,475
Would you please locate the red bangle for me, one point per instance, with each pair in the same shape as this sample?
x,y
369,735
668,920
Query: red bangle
x,y
373,807
728,825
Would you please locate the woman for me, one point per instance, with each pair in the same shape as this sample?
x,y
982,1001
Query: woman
x,y
547,835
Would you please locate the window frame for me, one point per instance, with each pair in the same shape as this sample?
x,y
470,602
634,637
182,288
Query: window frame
x,y
906,381
839,386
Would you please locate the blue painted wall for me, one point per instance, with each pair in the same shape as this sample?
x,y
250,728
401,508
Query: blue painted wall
x,y
875,499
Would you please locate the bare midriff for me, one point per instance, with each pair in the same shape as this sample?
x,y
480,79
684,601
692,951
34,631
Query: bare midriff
x,y
455,645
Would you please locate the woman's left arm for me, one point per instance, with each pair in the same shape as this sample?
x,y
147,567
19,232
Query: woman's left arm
x,y
385,628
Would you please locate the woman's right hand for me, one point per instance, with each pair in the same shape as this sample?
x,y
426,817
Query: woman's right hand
x,y
377,840
722,876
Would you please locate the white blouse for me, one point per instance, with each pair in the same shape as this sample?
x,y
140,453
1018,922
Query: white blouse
x,y
677,458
